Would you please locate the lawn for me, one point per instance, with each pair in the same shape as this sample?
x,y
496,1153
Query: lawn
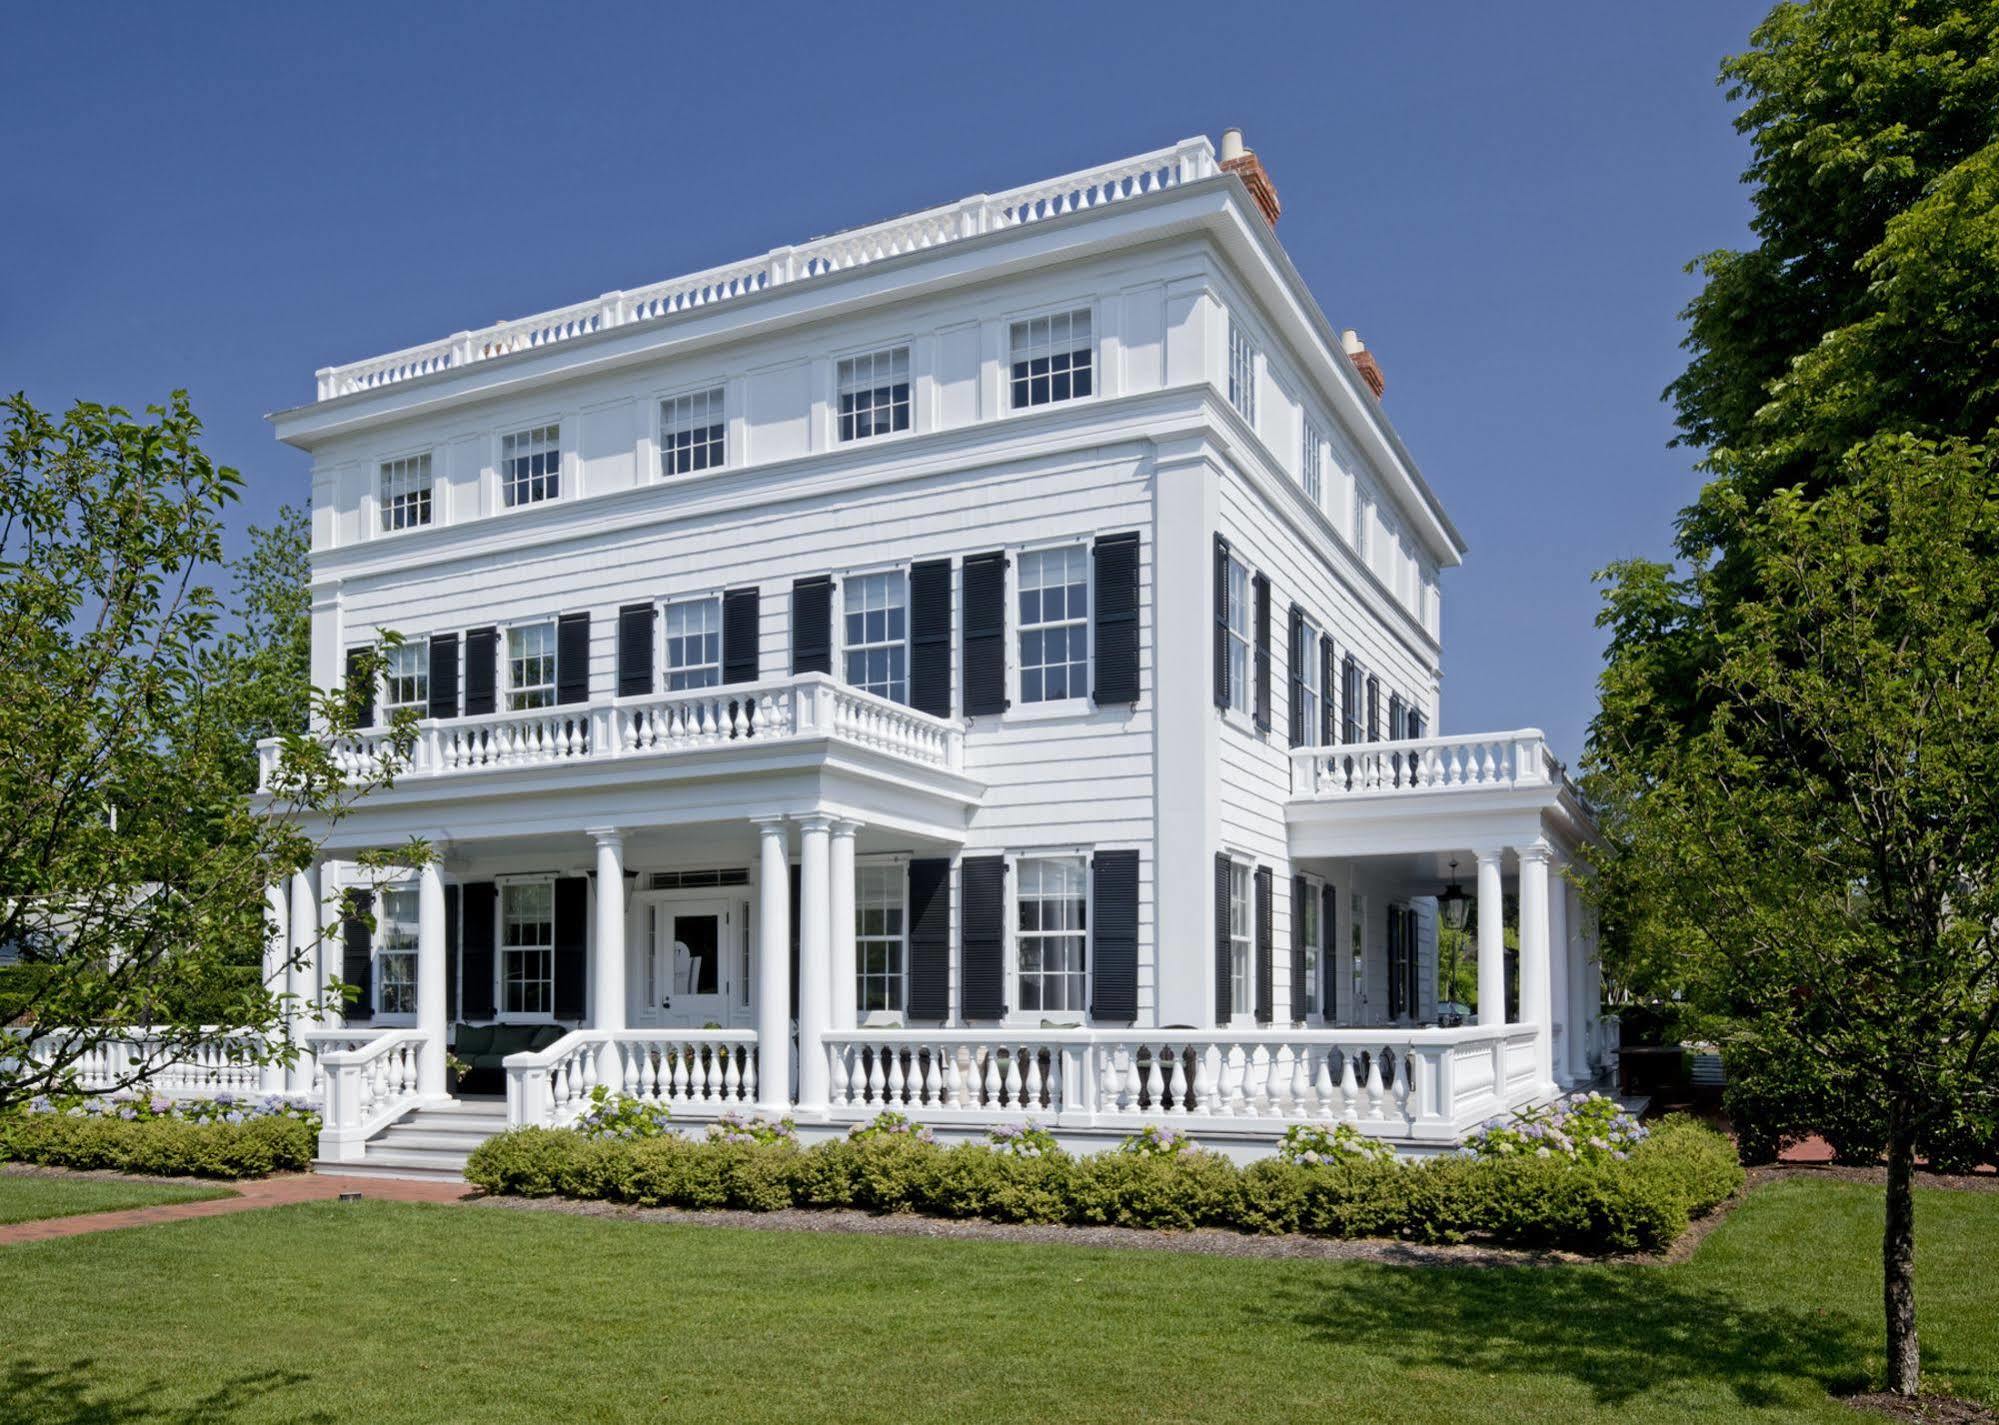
x,y
378,1311
28,1198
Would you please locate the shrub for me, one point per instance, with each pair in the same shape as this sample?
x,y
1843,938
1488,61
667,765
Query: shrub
x,y
162,1146
975,1181
1961,1143
889,1124
616,1115
527,1162
1152,1141
1584,1127
734,1128
1138,1187
1330,1143
1023,1140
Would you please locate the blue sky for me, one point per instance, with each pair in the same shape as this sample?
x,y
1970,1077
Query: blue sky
x,y
1501,199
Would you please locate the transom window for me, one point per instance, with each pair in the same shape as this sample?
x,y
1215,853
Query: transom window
x,y
1051,359
1242,985
693,644
1305,996
1238,635
1308,463
874,393
877,629
1305,658
406,678
527,947
1242,372
1052,933
531,465
691,432
1054,624
395,952
531,665
879,938
406,492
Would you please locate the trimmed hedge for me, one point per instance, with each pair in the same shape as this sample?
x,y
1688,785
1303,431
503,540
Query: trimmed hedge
x,y
1640,1204
162,1147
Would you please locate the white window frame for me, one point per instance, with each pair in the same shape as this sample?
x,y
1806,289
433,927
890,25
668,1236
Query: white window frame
x,y
716,397
1050,350
1242,635
416,652
1315,953
1242,363
1305,658
502,951
843,434
510,689
1081,858
398,469
895,875
666,635
1078,697
553,476
1311,463
846,584
1242,947
390,933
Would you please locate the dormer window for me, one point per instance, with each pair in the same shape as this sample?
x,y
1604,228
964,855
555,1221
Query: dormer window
x,y
1052,359
874,393
405,497
531,466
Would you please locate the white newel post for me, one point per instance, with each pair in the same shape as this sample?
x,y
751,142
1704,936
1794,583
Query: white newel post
x,y
607,974
1491,939
815,923
1581,1012
1534,954
302,976
840,965
277,979
432,1013
1558,972
773,967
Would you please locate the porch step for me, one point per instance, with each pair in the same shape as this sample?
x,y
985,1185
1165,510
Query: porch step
x,y
431,1142
428,1163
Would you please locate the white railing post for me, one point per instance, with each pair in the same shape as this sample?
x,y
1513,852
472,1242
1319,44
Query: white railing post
x,y
340,1136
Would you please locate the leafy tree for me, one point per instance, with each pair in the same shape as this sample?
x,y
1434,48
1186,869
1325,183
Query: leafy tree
x,y
260,674
132,861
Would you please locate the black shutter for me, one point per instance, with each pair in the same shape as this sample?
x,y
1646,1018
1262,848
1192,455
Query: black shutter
x,y
1297,655
1114,937
1221,623
1265,980
1262,596
982,937
984,672
482,672
1349,700
1414,999
635,645
357,959
363,696
572,658
1327,704
1417,726
1115,559
742,635
930,940
1329,958
1398,723
1300,892
1394,965
572,946
444,675
452,942
930,637
479,906
1223,1005
812,625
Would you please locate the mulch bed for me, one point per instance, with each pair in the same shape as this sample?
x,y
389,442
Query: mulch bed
x,y
1924,1409
38,1170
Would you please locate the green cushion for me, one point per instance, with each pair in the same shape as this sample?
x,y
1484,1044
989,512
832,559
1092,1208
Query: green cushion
x,y
513,1038
545,1035
473,1040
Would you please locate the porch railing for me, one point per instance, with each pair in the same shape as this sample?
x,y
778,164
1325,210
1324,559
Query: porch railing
x,y
704,1070
225,1060
656,724
1425,764
369,1087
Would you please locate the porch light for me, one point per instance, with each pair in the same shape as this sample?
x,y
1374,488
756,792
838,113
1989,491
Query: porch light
x,y
1453,902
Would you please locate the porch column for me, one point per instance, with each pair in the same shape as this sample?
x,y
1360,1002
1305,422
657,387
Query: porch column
x,y
277,978
815,919
773,967
1582,1012
1535,1008
1491,938
432,1013
607,972
840,966
1558,971
302,973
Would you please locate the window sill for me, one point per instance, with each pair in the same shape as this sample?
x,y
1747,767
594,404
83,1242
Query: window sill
x,y
1046,711
1051,1022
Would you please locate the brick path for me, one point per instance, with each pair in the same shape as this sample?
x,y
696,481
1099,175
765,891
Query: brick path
x,y
250,1196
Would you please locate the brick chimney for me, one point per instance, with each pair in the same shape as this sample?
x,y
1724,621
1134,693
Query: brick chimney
x,y
1363,361
1244,164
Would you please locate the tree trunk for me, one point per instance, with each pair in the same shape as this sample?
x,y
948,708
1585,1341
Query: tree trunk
x,y
1898,1257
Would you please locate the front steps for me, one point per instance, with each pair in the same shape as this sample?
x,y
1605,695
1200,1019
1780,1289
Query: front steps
x,y
431,1143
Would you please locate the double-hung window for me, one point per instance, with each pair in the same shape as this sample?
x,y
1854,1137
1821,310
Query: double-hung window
x,y
1349,700
874,393
1238,635
1308,464
527,947
531,665
692,433
1054,624
405,496
1305,658
693,644
1242,983
877,634
1051,359
406,678
531,465
395,952
1051,933
1242,372
1305,996
879,938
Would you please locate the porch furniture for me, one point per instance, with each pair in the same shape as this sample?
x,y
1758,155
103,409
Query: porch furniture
x,y
483,1048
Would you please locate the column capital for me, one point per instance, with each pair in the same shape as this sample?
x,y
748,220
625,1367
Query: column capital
x,y
845,826
772,825
1536,851
1486,855
606,835
814,820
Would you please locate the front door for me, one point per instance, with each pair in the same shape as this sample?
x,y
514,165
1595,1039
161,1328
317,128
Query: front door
x,y
689,963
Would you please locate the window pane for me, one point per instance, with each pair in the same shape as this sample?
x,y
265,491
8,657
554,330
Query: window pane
x,y
692,432
1050,359
531,465
405,492
1054,624
874,393
875,608
1050,935
531,665
693,644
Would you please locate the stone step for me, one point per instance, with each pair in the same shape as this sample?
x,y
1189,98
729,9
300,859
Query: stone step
x,y
418,1135
445,1165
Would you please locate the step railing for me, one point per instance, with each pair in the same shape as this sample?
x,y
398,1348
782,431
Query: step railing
x,y
369,1087
695,1071
1424,764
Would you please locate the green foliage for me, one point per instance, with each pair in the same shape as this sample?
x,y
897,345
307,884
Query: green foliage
x,y
1586,1126
616,1115
164,1147
1152,1141
888,1124
1313,1143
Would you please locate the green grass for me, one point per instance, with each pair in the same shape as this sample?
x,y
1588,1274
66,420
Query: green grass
x,y
28,1198
382,1311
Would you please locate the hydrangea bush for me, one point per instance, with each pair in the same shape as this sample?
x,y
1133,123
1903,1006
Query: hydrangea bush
x,y
224,1107
615,1115
1313,1143
889,1124
1152,1141
1584,1127
734,1128
1023,1140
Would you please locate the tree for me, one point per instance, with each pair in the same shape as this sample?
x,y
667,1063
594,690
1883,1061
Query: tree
x,y
132,861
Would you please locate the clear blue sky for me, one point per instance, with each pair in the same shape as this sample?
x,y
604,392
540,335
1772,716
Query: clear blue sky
x,y
1500,198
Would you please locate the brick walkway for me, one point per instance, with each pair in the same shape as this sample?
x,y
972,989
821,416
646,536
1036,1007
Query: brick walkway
x,y
250,1196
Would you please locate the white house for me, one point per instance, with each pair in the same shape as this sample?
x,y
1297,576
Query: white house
x,y
984,664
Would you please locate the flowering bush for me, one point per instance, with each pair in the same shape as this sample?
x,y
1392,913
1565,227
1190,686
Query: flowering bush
x,y
225,1107
1584,1127
226,1136
1152,1141
734,1128
614,1115
1023,1140
1312,1143
889,1124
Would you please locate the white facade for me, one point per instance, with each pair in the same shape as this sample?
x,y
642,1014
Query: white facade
x,y
1013,901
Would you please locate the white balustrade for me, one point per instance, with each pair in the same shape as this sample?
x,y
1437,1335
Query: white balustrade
x,y
1186,162
1424,764
700,719
946,1071
697,1071
368,1088
224,1060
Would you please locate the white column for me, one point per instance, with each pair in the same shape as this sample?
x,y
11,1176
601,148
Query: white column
x,y
608,950
1558,972
815,919
1535,1008
841,977
302,974
1491,938
773,967
277,977
1581,1010
433,1018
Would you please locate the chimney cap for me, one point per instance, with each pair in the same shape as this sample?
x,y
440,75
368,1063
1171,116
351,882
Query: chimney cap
x,y
1232,144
